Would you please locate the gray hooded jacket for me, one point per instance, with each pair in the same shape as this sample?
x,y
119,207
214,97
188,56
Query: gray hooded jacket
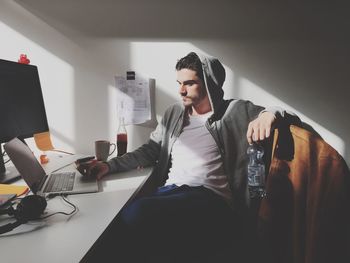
x,y
228,125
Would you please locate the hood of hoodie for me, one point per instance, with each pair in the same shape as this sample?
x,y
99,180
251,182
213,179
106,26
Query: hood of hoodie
x,y
214,77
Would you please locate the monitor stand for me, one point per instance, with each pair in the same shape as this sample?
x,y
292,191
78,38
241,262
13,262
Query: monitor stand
x,y
8,174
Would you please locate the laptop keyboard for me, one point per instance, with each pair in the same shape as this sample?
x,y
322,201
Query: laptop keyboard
x,y
60,182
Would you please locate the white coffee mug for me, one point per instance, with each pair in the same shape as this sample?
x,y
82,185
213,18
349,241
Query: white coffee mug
x,y
102,149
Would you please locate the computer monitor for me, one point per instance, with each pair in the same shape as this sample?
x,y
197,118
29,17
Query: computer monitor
x,y
22,109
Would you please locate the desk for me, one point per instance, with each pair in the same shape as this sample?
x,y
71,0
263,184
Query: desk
x,y
67,239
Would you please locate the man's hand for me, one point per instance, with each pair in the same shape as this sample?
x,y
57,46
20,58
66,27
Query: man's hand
x,y
93,169
260,128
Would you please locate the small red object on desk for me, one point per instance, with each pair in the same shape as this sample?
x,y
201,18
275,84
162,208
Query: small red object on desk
x,y
44,159
23,59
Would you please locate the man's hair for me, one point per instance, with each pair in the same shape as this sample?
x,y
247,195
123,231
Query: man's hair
x,y
192,62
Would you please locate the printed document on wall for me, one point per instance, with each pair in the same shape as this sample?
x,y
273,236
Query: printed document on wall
x,y
133,98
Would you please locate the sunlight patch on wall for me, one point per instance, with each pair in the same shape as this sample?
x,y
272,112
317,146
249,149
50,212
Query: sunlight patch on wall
x,y
159,59
57,82
230,84
250,91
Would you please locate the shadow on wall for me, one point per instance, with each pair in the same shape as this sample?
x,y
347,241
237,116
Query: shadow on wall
x,y
309,76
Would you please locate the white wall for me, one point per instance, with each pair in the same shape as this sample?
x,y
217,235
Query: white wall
x,y
75,90
306,75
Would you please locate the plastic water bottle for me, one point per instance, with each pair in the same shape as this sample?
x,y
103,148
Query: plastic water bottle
x,y
256,171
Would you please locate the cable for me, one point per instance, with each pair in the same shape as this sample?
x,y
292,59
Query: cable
x,y
55,150
3,155
75,209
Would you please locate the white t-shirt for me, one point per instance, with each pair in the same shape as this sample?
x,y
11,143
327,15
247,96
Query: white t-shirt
x,y
196,160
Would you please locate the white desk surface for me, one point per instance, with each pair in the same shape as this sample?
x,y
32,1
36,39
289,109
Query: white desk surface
x,y
63,238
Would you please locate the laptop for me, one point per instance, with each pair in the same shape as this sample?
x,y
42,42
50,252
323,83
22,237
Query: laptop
x,y
40,183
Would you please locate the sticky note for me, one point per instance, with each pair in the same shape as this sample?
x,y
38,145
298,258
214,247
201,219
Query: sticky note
x,y
43,141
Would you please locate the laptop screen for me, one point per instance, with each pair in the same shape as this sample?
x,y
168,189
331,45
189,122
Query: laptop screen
x,y
26,163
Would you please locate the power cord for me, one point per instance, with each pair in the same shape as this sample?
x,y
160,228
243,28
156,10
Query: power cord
x,y
3,155
64,198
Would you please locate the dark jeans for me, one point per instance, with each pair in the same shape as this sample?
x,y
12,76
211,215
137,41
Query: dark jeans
x,y
175,224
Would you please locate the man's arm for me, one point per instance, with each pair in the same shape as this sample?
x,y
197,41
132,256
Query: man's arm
x,y
269,118
146,155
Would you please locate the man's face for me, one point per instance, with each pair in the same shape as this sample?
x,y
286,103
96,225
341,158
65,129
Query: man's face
x,y
192,89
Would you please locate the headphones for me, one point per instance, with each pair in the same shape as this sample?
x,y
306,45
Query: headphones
x,y
30,208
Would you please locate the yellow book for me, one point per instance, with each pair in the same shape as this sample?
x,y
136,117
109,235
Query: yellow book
x,y
13,189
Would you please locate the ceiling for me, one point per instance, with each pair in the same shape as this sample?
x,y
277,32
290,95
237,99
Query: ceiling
x,y
194,18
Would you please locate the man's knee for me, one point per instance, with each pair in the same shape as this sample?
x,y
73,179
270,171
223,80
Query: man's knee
x,y
137,213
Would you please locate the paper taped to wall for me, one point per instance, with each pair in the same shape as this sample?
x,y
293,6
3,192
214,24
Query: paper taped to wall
x,y
133,98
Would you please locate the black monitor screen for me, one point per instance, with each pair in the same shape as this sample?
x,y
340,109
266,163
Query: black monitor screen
x,y
22,109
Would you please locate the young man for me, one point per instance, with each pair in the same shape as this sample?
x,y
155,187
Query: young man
x,y
199,154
